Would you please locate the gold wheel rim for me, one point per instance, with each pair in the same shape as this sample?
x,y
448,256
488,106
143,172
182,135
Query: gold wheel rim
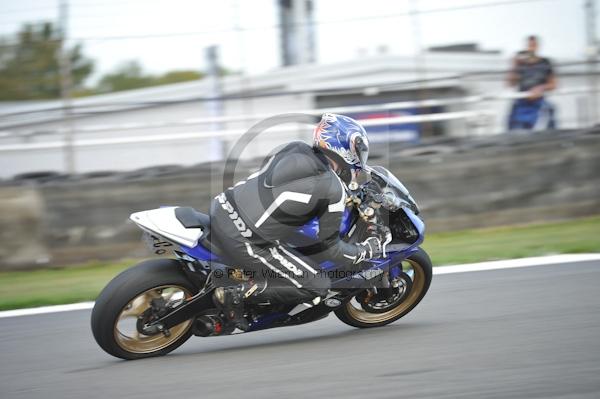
x,y
125,330
418,284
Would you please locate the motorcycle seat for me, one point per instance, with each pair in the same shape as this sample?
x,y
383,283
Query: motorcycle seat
x,y
191,218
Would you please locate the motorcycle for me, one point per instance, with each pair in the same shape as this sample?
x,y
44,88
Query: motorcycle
x,y
154,307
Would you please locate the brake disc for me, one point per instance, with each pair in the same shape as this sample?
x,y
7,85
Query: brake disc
x,y
386,298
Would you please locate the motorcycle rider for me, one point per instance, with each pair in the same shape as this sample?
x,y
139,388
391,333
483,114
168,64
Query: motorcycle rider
x,y
252,222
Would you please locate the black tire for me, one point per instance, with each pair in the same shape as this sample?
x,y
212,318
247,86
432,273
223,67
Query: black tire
x,y
122,290
348,314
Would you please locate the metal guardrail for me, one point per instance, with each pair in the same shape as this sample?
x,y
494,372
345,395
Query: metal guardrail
x,y
392,106
171,137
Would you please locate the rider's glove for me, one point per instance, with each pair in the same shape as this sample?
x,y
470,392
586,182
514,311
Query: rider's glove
x,y
374,246
369,249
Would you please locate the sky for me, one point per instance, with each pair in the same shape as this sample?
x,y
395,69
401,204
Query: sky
x,y
172,34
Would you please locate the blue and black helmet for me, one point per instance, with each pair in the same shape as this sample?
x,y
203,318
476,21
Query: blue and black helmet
x,y
344,138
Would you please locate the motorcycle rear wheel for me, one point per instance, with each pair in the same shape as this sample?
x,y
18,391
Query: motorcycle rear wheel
x,y
419,265
125,300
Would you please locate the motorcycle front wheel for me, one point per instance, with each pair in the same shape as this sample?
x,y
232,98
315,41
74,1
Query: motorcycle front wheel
x,y
365,311
126,303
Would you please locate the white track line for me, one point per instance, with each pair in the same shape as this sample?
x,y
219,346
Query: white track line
x,y
514,263
47,309
472,267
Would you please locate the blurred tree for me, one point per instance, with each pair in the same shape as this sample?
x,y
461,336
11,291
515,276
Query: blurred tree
x,y
29,69
127,76
131,76
179,76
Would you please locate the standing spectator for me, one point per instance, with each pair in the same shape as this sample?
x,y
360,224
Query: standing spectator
x,y
532,74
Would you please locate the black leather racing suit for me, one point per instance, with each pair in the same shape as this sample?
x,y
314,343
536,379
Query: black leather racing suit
x,y
252,221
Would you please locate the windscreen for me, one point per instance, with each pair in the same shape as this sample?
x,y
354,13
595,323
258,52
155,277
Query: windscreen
x,y
395,193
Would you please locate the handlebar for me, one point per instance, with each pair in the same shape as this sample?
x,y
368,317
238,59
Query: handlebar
x,y
368,201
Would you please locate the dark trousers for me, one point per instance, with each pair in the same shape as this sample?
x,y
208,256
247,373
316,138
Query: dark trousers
x,y
290,274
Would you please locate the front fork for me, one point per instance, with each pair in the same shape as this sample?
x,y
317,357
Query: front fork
x,y
395,272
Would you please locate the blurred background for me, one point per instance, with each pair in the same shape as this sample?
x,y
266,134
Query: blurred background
x,y
487,110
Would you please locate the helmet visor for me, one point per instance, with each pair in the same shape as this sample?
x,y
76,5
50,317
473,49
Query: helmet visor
x,y
361,146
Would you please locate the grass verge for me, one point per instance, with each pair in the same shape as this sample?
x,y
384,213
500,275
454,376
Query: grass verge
x,y
21,289
510,242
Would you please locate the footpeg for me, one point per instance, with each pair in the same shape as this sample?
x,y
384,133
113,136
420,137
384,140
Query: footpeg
x,y
230,301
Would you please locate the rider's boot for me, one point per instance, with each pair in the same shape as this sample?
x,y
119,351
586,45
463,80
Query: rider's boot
x,y
230,301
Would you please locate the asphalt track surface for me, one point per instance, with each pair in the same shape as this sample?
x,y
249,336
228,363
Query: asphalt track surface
x,y
515,333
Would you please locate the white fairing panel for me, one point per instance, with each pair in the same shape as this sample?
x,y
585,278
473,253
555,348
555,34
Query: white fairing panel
x,y
163,222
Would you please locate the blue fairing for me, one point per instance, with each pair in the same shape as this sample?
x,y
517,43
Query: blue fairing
x,y
327,265
310,229
346,222
308,234
199,252
419,225
266,321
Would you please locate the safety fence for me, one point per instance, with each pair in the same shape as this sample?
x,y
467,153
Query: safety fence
x,y
481,116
